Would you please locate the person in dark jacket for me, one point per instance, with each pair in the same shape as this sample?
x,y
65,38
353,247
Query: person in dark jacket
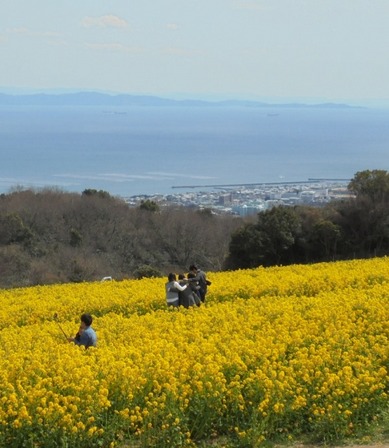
x,y
195,287
202,279
186,297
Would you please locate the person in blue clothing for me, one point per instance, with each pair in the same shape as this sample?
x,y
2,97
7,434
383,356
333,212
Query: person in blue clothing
x,y
86,335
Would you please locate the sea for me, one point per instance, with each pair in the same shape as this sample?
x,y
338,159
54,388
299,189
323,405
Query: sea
x,y
139,150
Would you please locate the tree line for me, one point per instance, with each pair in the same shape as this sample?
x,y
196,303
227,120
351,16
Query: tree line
x,y
50,236
357,227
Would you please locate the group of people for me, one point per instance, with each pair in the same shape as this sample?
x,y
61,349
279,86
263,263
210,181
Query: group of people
x,y
183,291
187,290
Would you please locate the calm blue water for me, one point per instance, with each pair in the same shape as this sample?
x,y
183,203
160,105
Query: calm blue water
x,y
133,151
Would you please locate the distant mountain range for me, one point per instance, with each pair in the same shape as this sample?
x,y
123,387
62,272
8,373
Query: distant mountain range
x,y
102,99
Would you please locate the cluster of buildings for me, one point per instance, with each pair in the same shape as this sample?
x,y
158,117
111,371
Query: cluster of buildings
x,y
246,200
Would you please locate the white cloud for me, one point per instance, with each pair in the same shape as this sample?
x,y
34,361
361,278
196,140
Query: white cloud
x,y
108,21
250,4
177,51
20,30
23,31
177,175
172,26
112,46
108,177
121,177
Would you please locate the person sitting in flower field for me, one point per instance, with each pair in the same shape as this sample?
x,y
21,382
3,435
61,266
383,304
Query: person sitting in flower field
x,y
86,335
172,288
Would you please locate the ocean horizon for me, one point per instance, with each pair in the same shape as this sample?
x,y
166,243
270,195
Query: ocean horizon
x,y
129,151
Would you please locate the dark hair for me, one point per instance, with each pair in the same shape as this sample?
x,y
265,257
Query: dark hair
x,y
171,277
181,276
193,267
191,275
87,319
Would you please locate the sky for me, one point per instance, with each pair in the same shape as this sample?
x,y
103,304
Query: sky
x,y
327,50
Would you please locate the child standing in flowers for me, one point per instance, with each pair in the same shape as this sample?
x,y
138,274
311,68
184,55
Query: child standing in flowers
x,y
172,288
86,335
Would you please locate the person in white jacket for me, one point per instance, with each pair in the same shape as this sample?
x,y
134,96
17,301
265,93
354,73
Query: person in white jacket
x,y
172,288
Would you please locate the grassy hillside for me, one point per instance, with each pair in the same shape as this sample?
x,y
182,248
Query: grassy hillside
x,y
275,355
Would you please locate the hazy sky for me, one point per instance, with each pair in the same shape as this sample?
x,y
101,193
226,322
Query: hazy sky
x,y
318,49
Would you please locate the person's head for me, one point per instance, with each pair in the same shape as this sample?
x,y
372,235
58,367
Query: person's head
x,y
171,277
193,268
191,275
181,276
86,320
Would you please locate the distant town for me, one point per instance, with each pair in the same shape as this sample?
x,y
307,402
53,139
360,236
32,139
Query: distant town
x,y
249,199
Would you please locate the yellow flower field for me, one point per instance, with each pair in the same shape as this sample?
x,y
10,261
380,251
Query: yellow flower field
x,y
274,354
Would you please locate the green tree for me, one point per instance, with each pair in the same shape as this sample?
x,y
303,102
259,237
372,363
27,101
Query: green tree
x,y
325,237
281,227
246,248
150,206
373,184
100,193
75,238
13,230
365,218
146,271
365,227
268,242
